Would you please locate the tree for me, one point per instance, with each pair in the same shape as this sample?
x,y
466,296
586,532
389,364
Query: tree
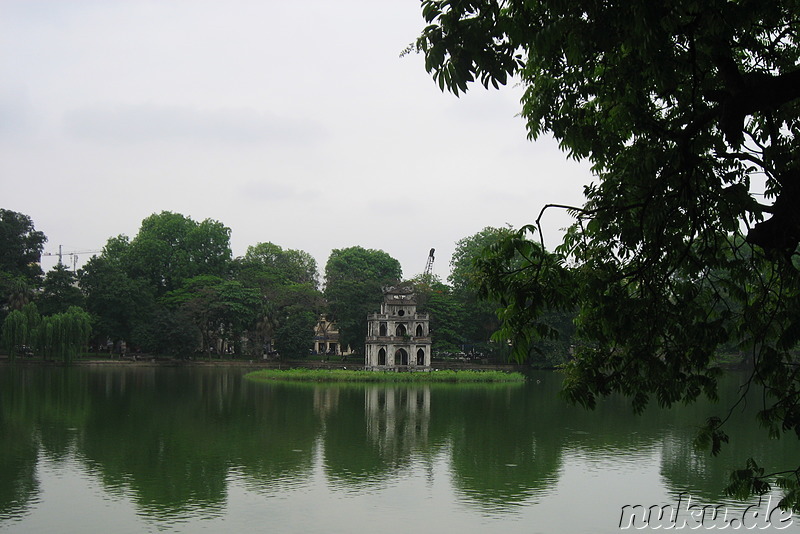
x,y
20,252
354,278
123,284
21,245
167,331
20,329
19,293
478,318
271,263
288,282
262,329
463,274
14,333
59,291
64,335
220,309
437,299
295,333
116,302
297,309
682,109
171,248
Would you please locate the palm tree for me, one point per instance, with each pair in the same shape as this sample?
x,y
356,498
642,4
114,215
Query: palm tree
x,y
265,324
19,294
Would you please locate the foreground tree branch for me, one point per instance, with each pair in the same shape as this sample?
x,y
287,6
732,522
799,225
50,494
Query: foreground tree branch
x,y
660,98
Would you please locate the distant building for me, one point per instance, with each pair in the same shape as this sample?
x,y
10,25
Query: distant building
x,y
399,336
326,337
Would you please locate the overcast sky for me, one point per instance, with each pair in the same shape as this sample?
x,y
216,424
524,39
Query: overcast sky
x,y
291,122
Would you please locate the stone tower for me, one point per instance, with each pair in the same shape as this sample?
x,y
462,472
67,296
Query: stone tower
x,y
399,336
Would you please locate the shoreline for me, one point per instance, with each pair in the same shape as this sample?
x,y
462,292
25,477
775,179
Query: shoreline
x,y
151,361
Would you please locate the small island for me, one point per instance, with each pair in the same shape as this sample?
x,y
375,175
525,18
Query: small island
x,y
344,375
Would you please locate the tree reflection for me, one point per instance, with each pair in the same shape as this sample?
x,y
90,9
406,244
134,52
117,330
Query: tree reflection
x,y
39,413
18,484
172,440
504,451
354,457
698,472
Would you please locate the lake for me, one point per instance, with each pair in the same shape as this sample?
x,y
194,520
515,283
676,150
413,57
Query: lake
x,y
159,449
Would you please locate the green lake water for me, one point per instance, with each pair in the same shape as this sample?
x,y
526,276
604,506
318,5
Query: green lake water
x,y
149,449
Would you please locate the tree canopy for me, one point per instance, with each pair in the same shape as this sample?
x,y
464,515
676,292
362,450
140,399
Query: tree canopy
x,y
290,299
688,239
354,277
21,248
445,309
116,301
220,309
59,291
21,244
478,320
171,248
270,263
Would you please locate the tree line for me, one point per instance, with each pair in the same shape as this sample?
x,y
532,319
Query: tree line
x,y
175,289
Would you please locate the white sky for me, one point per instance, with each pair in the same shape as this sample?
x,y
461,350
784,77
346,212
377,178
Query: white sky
x,y
291,122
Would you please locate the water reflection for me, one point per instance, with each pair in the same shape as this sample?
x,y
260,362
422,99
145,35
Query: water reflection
x,y
355,454
397,418
18,485
505,451
175,441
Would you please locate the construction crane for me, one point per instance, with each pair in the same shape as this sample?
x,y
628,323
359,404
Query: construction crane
x,y
73,256
429,265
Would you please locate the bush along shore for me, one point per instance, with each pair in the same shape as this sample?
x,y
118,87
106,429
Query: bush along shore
x,y
341,375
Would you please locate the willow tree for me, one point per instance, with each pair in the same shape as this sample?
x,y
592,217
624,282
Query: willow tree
x,y
19,329
689,113
65,335
14,333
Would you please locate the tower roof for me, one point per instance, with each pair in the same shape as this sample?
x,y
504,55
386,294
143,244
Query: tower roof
x,y
399,294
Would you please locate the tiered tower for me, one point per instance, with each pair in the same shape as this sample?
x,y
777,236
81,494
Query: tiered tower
x,y
399,336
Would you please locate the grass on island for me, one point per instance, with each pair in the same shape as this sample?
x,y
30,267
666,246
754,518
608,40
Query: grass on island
x,y
341,375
